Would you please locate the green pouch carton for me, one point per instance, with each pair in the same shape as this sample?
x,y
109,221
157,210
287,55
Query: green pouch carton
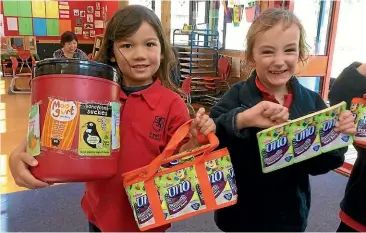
x,y
178,192
222,178
275,148
329,139
304,136
141,207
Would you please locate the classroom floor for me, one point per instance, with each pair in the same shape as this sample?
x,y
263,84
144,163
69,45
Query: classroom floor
x,y
58,209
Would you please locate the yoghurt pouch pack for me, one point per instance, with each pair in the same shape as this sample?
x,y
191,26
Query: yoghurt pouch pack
x,y
305,139
358,109
329,139
222,179
178,192
141,207
275,148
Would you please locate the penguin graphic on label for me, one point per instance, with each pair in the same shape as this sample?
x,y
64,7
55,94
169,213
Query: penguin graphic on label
x,y
91,136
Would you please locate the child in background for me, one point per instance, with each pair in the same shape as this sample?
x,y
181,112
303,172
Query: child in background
x,y
352,83
151,112
280,200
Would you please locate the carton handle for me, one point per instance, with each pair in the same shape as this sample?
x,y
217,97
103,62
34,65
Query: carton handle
x,y
171,147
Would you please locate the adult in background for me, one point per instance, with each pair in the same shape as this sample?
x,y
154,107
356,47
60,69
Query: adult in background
x,y
69,49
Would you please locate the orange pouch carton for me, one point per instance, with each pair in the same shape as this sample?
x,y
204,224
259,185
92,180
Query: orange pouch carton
x,y
175,187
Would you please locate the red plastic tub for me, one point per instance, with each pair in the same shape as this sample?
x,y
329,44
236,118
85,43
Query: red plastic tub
x,y
74,118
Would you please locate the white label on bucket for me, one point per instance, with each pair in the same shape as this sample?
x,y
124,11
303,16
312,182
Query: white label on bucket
x,y
115,124
63,111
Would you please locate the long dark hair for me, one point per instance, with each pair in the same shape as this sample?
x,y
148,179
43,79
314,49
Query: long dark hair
x,y
124,23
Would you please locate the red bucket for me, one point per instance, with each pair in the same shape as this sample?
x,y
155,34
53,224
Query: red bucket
x,y
78,117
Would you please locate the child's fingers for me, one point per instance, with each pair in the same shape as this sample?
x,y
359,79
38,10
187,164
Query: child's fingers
x,y
200,112
209,124
28,159
209,129
29,181
203,120
282,115
271,111
345,115
348,128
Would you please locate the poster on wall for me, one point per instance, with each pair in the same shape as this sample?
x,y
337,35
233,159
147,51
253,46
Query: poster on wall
x,y
97,13
92,33
88,26
76,12
90,9
86,34
89,18
2,25
79,22
78,30
99,24
82,13
97,6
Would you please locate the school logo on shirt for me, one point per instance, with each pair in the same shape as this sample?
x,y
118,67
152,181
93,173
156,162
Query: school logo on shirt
x,y
157,127
159,123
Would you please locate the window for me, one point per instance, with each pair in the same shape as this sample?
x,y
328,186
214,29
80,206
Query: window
x,y
179,18
147,3
315,17
235,34
312,83
154,5
350,40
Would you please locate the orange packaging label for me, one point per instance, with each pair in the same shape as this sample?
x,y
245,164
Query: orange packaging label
x,y
60,124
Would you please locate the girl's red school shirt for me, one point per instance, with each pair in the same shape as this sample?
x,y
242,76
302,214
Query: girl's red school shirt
x,y
148,120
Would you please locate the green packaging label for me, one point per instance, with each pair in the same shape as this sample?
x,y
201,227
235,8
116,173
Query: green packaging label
x,y
222,178
275,148
305,139
178,192
140,204
329,139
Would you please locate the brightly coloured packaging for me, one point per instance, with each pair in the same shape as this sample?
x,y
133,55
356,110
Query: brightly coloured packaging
x,y
275,148
329,138
300,139
358,108
176,187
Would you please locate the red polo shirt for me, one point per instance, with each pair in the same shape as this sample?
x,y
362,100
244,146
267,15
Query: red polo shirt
x,y
269,97
148,120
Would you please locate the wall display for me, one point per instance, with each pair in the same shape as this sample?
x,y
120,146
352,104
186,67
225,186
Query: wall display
x,y
79,22
88,26
92,33
48,19
78,30
89,18
86,34
90,9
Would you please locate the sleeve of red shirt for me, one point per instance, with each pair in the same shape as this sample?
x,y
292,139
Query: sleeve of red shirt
x,y
178,115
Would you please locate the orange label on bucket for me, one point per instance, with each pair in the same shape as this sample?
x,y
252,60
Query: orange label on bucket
x,y
95,129
60,124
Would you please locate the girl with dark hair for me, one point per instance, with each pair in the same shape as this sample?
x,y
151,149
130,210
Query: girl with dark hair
x,y
151,112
